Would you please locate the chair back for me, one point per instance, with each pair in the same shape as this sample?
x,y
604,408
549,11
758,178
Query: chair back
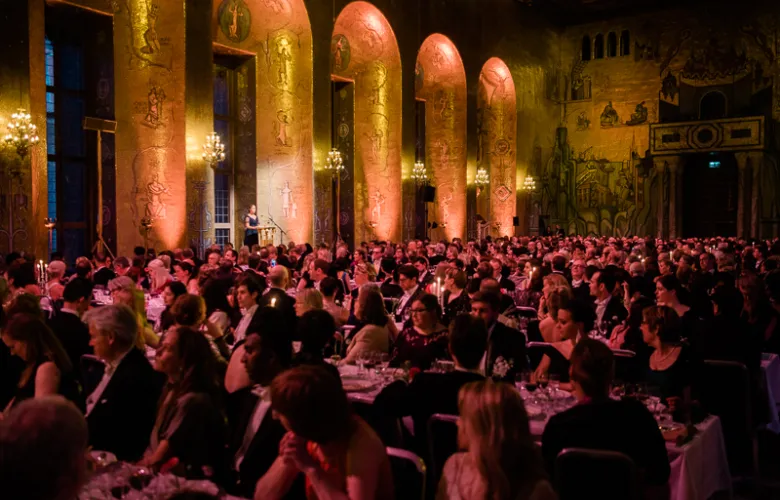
x,y
606,475
526,312
628,367
409,473
442,442
723,389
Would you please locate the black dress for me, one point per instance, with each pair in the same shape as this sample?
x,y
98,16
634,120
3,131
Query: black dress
x,y
420,350
69,388
250,236
462,304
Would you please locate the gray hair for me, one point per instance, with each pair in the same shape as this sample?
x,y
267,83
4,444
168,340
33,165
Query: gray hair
x,y
366,287
117,319
42,446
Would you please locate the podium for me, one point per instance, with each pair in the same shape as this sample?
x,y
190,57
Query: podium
x,y
266,235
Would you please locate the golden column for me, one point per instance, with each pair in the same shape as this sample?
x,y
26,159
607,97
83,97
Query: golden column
x,y
150,71
23,176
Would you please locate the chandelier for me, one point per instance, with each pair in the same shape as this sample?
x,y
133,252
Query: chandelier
x,y
213,150
22,133
419,173
334,163
529,184
482,179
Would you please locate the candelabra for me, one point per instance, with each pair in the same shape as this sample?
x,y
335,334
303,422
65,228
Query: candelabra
x,y
419,174
22,133
335,165
50,224
213,150
529,184
146,226
482,178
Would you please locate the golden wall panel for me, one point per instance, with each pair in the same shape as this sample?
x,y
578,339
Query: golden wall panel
x,y
278,33
441,82
364,49
149,71
496,142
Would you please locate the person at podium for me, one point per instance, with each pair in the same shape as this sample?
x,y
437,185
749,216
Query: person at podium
x,y
251,225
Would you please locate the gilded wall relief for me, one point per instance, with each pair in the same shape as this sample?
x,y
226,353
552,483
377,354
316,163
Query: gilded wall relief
x,y
364,49
148,24
235,20
639,116
279,32
441,83
496,100
609,117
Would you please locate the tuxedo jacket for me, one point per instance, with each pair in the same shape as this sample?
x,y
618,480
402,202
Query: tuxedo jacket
x,y
509,344
401,312
121,421
426,279
73,334
103,276
582,292
264,447
284,303
615,312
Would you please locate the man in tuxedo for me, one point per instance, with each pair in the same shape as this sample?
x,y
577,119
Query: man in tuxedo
x,y
425,278
255,434
276,296
438,255
319,271
248,293
121,409
408,280
431,393
600,423
559,266
102,274
609,310
579,286
503,342
497,268
66,324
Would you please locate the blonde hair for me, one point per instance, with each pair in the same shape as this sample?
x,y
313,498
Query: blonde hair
x,y
500,443
557,283
310,298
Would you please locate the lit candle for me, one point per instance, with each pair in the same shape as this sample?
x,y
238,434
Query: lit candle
x,y
438,286
273,301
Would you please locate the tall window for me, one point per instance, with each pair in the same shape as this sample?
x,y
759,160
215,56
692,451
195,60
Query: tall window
x,y
51,143
586,48
225,111
612,44
598,47
625,43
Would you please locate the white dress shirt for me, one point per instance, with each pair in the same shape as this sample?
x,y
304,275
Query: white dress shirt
x,y
261,410
601,308
240,332
111,367
407,295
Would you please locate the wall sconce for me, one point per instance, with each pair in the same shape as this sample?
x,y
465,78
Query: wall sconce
x,y
22,133
213,150
334,163
419,174
529,184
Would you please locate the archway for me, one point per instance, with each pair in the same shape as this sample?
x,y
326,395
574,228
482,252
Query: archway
x,y
441,83
496,150
364,51
279,180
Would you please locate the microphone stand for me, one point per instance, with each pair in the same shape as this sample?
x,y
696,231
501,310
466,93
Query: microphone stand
x,y
281,231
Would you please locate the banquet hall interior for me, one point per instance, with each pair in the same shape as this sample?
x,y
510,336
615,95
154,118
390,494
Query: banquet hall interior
x,y
529,129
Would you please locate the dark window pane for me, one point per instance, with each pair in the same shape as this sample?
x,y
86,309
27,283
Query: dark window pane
x,y
71,67
73,244
49,51
222,236
72,179
51,136
221,91
50,102
221,199
52,191
71,131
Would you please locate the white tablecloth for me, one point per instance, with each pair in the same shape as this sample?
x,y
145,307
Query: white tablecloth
x,y
770,366
700,468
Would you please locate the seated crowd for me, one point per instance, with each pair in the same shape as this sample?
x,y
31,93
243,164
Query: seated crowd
x,y
237,379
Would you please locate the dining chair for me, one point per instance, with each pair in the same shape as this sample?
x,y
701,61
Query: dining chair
x,y
606,475
409,474
724,389
442,442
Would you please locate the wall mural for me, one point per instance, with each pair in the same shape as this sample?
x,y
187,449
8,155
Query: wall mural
x,y
441,81
364,50
279,32
496,105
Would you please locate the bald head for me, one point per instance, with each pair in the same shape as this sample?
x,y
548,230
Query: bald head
x,y
490,285
42,450
278,276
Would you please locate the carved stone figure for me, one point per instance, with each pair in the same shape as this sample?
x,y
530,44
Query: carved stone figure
x,y
376,212
609,117
155,205
155,100
639,115
150,35
287,200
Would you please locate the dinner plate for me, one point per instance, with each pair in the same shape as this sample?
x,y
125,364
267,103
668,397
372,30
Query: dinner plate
x,y
102,458
351,384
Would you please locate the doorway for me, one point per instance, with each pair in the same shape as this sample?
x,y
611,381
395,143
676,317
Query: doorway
x,y
710,195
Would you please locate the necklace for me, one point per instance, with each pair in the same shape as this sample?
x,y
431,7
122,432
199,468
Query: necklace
x,y
663,358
